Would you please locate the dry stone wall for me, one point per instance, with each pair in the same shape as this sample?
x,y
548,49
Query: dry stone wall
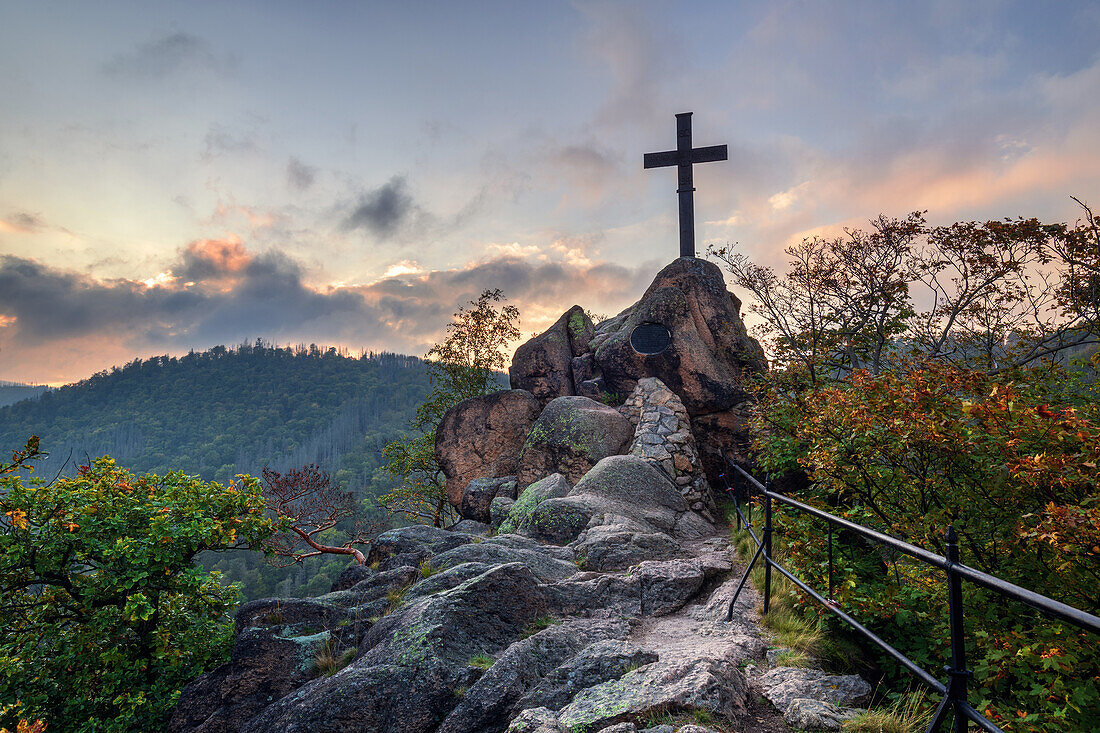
x,y
662,435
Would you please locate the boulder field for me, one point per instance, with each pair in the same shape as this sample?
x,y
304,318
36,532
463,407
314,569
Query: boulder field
x,y
585,588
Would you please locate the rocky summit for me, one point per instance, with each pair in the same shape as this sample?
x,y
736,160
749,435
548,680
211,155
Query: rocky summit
x,y
585,588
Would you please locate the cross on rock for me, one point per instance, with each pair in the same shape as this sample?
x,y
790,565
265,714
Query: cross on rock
x,y
683,157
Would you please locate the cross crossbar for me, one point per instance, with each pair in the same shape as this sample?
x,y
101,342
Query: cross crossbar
x,y
667,158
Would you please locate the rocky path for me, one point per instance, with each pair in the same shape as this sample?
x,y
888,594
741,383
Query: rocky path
x,y
778,700
453,632
699,631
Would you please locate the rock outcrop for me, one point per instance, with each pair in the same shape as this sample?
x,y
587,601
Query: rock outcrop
x,y
482,437
708,361
544,365
585,586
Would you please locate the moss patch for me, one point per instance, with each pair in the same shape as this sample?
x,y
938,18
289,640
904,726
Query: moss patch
x,y
578,325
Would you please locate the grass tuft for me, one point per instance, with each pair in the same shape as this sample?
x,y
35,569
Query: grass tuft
x,y
328,661
702,717
791,658
395,597
427,569
794,631
481,661
909,714
542,622
272,618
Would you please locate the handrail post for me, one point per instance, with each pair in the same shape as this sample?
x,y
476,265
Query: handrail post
x,y
957,671
736,502
748,501
767,546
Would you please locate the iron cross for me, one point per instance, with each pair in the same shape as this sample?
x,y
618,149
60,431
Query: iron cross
x,y
683,157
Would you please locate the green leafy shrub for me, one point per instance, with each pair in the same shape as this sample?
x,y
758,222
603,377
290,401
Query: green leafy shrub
x,y
1011,465
104,614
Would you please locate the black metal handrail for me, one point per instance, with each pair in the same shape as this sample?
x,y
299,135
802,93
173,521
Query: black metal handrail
x,y
955,690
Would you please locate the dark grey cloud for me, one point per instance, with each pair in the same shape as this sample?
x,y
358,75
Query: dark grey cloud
x,y
382,210
236,295
266,296
168,55
220,140
25,221
299,175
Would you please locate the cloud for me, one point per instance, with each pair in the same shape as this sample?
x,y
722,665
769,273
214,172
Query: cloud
x,y
382,210
166,56
54,321
622,39
22,222
220,141
209,259
587,169
299,175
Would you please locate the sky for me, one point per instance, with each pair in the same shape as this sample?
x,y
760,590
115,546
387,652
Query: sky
x,y
175,175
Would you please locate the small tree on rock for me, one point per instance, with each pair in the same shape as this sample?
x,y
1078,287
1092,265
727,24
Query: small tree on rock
x,y
307,509
465,364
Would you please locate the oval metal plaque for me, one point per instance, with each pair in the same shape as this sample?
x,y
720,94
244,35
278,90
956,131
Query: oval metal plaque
x,y
650,339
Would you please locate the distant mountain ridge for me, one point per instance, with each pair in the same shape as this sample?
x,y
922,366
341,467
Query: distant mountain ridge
x,y
12,392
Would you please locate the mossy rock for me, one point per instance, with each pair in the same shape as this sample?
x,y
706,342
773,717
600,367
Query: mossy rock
x,y
558,520
520,513
570,436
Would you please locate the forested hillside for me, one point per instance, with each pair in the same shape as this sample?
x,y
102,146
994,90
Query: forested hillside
x,y
234,410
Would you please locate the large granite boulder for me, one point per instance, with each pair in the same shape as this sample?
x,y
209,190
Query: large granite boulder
x,y
624,510
714,685
651,588
711,352
520,514
411,663
544,365
783,685
707,362
602,661
482,437
478,496
265,666
411,545
528,665
570,436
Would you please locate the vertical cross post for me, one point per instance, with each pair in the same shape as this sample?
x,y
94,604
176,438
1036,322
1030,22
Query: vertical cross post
x,y
684,157
686,188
